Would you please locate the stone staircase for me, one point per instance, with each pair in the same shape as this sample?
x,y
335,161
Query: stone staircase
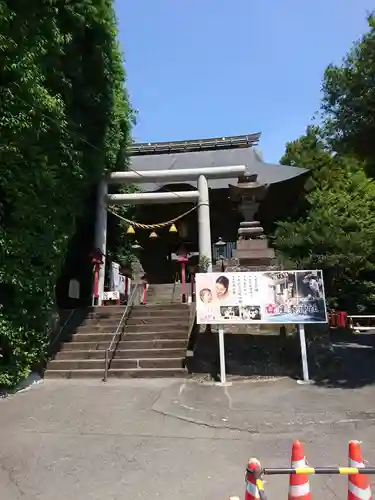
x,y
167,293
153,343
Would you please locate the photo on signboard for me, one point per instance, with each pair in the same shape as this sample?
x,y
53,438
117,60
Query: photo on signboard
x,y
295,297
222,292
205,295
251,313
311,299
230,312
281,291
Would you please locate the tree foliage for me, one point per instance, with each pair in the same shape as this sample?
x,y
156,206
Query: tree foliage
x,y
336,230
349,100
335,227
64,120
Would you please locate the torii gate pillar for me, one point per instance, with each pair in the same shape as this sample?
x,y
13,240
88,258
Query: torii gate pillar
x,y
100,240
204,224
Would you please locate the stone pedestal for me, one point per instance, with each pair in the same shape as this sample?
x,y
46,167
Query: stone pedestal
x,y
252,252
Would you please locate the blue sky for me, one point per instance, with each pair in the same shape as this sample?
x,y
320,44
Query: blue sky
x,y
207,68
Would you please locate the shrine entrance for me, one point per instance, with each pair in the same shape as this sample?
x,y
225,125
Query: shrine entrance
x,y
158,264
159,254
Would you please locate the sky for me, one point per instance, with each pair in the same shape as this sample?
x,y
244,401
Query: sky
x,y
214,68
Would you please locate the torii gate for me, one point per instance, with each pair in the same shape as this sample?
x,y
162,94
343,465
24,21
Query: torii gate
x,y
200,195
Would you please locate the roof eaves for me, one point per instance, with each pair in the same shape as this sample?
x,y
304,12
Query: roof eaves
x,y
215,143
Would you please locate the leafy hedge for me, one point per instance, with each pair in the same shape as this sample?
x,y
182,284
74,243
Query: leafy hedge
x,y
64,120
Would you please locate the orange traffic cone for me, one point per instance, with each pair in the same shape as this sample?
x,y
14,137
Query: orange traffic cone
x,y
358,484
252,492
299,486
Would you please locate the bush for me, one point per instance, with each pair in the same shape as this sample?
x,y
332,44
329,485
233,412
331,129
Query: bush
x,y
65,121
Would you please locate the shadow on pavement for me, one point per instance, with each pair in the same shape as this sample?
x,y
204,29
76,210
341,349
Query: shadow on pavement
x,y
352,363
245,355
336,359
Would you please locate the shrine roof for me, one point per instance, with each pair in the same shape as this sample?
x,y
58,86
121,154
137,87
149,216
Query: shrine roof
x,y
194,145
216,152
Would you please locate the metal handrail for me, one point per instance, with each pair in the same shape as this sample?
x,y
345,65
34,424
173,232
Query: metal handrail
x,y
193,315
174,286
124,316
192,327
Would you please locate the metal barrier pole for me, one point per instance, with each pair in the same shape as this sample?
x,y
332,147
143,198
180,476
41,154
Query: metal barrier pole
x,y
343,471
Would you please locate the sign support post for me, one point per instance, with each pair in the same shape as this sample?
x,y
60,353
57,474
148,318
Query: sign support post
x,y
305,366
223,375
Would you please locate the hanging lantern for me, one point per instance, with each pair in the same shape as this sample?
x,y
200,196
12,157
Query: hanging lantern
x,y
130,230
153,235
173,229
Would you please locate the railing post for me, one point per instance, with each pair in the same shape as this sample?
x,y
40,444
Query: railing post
x,y
192,285
128,307
144,297
106,366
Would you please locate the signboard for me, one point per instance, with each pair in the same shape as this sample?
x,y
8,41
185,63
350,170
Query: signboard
x,y
121,284
282,297
111,296
114,277
118,282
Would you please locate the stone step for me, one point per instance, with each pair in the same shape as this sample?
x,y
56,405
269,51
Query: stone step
x,y
149,353
148,334
158,320
153,313
118,373
135,326
96,328
164,313
162,307
149,373
84,346
125,345
173,335
146,310
92,337
101,321
115,316
81,354
158,327
162,286
106,309
152,344
123,364
122,354
159,302
79,364
149,363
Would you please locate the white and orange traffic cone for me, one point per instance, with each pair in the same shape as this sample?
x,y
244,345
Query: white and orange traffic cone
x,y
299,486
252,492
358,484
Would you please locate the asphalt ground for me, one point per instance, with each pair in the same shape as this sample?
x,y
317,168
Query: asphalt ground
x,y
174,439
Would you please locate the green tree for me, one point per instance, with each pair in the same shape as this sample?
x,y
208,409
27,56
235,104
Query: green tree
x,y
65,120
349,100
335,231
